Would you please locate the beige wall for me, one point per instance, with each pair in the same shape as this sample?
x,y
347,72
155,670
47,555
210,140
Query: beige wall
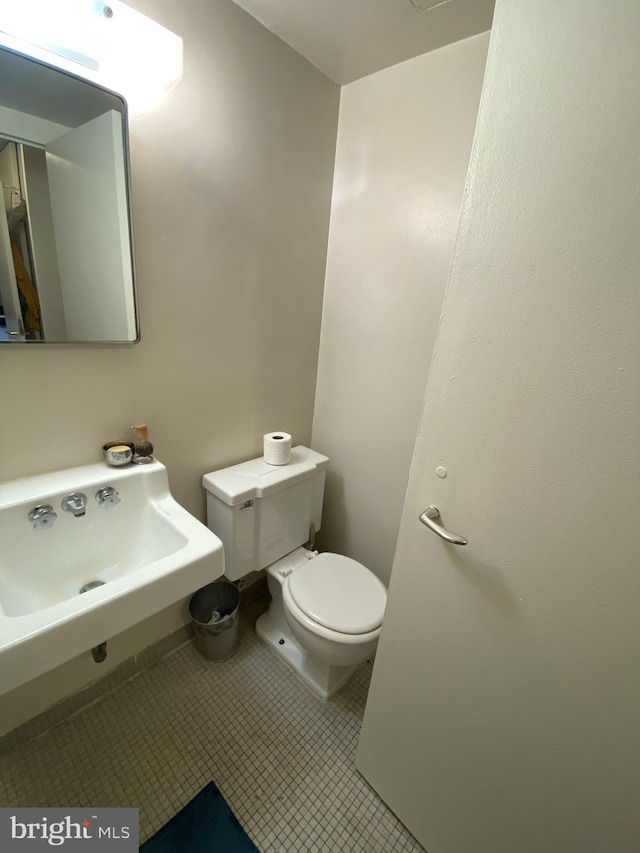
x,y
231,194
404,141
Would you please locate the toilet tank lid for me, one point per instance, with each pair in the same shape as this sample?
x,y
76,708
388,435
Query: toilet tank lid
x,y
256,479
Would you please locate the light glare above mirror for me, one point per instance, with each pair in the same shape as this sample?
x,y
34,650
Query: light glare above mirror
x,y
66,259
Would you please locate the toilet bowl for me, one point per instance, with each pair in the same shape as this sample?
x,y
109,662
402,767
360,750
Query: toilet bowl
x,y
334,607
326,610
325,617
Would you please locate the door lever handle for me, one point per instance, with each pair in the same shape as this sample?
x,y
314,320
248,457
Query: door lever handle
x,y
430,517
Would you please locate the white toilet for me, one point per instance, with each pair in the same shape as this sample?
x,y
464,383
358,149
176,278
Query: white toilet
x,y
326,611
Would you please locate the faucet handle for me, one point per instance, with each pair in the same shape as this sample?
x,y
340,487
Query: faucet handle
x,y
107,497
76,503
42,516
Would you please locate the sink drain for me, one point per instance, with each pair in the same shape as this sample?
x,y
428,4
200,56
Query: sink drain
x,y
91,585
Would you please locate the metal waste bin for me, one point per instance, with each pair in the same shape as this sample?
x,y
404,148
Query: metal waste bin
x,y
214,612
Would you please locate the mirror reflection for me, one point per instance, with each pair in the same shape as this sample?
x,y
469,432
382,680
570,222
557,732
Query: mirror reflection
x,y
66,271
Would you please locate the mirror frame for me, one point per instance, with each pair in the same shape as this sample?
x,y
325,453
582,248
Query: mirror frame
x,y
127,175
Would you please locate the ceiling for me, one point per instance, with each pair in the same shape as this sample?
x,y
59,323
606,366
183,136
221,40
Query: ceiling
x,y
349,39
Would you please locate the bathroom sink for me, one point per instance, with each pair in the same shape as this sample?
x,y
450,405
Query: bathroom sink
x,y
137,552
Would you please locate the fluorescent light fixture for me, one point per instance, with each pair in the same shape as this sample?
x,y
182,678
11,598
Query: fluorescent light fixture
x,y
107,43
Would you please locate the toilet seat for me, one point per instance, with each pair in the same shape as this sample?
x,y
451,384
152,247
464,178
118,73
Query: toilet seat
x,y
339,594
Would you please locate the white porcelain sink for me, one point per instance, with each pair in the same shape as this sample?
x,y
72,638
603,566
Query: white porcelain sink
x,y
147,551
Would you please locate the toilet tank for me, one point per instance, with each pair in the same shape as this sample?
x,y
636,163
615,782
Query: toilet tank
x,y
262,512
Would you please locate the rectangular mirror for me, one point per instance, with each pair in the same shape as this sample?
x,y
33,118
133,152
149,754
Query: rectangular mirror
x,y
66,252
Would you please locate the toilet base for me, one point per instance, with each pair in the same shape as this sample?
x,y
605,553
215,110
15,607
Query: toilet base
x,y
321,679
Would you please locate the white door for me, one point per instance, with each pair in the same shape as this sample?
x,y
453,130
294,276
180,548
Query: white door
x,y
9,295
504,711
87,182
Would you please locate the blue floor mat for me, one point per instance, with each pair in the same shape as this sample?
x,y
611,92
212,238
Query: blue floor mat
x,y
205,825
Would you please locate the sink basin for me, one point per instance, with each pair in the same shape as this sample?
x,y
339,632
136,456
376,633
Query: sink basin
x,y
138,556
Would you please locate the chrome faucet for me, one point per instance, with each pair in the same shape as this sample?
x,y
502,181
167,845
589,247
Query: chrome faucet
x,y
76,503
42,516
107,497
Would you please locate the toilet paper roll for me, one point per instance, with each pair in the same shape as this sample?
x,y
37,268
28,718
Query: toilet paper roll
x,y
277,448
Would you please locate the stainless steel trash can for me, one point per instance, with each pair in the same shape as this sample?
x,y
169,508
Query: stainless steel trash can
x,y
214,613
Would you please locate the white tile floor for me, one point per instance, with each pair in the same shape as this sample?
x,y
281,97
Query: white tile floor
x,y
283,760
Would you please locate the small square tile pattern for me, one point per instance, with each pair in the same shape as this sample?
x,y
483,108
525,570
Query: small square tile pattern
x,y
283,760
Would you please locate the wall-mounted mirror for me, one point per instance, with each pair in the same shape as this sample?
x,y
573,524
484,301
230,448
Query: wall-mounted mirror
x,y
66,259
